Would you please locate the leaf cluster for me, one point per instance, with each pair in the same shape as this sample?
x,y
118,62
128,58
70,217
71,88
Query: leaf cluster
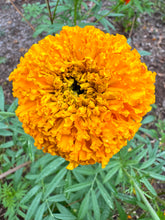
x,y
68,12
47,190
132,12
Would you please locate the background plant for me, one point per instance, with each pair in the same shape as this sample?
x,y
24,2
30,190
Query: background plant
x,y
132,12
67,12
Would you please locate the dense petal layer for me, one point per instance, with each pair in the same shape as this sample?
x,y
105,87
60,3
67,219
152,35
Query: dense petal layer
x,y
82,94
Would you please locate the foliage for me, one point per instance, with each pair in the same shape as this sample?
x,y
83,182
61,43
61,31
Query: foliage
x,y
47,190
67,12
159,7
132,12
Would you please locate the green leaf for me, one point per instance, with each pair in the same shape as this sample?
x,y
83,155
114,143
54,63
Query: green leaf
x,y
65,213
57,198
148,119
137,3
13,106
149,186
64,216
144,53
79,186
40,212
95,204
2,100
156,176
62,8
140,138
86,170
30,194
50,168
3,60
111,173
127,198
5,133
148,163
53,184
115,15
3,126
34,205
84,206
121,211
147,131
105,194
7,114
7,144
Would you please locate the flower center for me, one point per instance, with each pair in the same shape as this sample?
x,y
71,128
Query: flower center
x,y
76,87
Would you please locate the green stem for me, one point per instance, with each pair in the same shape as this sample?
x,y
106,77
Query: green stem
x,y
50,14
75,11
54,14
150,209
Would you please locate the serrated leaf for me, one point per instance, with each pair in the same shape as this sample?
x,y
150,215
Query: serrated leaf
x,y
3,126
53,184
148,119
3,60
121,211
57,198
157,176
147,131
148,163
79,186
13,106
95,204
7,144
105,194
140,138
5,133
2,100
111,173
34,205
64,216
43,161
65,213
144,53
40,212
127,198
62,8
84,207
115,15
137,3
50,168
30,194
86,170
149,186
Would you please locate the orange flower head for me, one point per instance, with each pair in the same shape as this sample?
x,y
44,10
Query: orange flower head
x,y
82,94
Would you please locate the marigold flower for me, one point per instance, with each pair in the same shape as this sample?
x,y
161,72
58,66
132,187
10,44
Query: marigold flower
x,y
82,94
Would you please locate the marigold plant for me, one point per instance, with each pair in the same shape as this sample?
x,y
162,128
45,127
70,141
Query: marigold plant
x,y
82,94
